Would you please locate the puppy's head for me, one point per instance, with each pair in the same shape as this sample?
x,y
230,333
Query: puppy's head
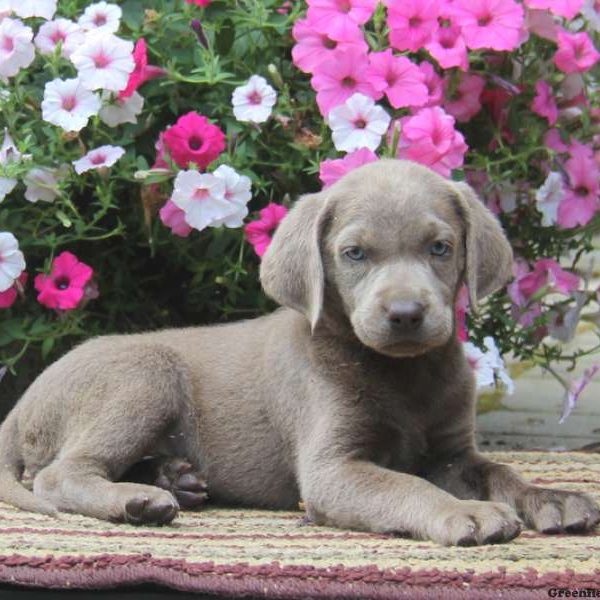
x,y
388,245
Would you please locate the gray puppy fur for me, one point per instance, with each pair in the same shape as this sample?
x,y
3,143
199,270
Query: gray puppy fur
x,y
356,397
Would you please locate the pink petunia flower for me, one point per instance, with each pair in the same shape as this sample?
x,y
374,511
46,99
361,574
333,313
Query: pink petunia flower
x,y
434,84
542,23
576,52
142,71
333,169
463,103
429,138
448,47
496,101
547,274
199,2
341,76
581,201
544,104
494,24
9,297
412,23
553,141
259,233
193,139
562,8
64,287
399,78
575,389
173,217
339,19
313,47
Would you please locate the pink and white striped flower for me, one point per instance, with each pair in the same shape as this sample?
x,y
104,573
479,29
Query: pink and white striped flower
x,y
34,8
16,48
12,261
101,16
104,156
68,104
237,191
254,101
201,196
60,31
116,111
358,123
104,61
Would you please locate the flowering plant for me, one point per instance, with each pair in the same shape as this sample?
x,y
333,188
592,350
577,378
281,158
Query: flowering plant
x,y
150,150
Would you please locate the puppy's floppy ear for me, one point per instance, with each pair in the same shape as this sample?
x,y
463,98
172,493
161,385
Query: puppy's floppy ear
x,y
488,256
292,270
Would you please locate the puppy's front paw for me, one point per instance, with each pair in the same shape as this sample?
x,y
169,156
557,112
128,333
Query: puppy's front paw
x,y
472,523
156,507
557,511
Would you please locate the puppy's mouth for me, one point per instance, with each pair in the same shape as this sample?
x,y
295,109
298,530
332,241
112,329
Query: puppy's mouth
x,y
405,348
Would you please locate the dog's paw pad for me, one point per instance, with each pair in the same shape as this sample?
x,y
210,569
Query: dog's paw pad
x,y
187,485
145,509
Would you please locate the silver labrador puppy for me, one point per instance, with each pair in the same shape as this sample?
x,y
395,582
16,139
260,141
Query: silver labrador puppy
x,y
356,397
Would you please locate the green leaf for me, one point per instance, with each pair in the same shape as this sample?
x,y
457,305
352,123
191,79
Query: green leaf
x,y
62,217
47,346
225,37
133,14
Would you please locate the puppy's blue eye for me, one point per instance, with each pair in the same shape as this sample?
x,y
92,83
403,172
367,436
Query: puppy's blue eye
x,y
355,253
439,248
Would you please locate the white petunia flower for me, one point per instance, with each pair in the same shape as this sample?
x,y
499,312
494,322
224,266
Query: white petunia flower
x,y
68,104
237,191
5,8
8,154
7,185
201,196
12,261
254,101
42,184
121,110
488,366
16,48
34,8
104,156
101,16
104,61
591,12
59,31
548,197
358,123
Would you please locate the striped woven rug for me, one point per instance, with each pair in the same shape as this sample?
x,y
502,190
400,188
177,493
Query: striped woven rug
x,y
277,555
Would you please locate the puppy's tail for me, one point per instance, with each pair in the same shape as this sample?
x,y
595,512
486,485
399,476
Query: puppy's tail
x,y
11,490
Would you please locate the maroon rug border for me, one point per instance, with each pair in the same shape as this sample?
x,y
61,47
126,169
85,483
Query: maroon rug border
x,y
282,582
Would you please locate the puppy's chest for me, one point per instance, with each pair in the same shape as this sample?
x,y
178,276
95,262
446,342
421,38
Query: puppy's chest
x,y
400,421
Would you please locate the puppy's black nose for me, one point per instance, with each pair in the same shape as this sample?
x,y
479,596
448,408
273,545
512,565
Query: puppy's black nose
x,y
407,316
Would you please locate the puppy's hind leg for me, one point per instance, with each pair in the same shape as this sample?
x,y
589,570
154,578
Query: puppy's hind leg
x,y
147,399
